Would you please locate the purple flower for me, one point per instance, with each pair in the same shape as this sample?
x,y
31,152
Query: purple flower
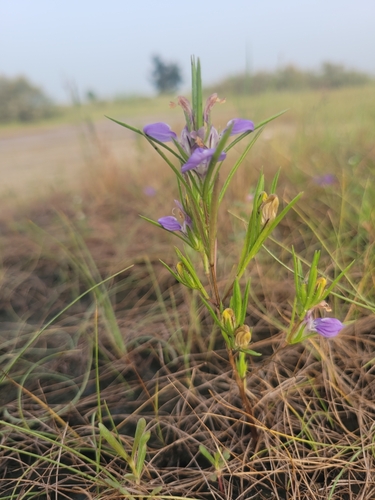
x,y
326,327
201,158
149,191
240,126
170,223
198,144
179,223
325,180
160,131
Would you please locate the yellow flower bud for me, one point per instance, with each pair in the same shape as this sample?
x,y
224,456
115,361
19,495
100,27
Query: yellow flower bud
x,y
320,286
269,208
186,277
243,336
180,269
229,319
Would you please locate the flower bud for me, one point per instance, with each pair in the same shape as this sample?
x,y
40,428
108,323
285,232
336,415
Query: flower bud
x,y
269,208
229,320
186,106
320,286
186,278
211,101
243,336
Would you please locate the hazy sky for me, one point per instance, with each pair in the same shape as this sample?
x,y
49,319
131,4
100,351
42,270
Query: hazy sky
x,y
106,46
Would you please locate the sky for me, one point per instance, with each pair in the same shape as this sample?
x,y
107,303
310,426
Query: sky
x,y
107,46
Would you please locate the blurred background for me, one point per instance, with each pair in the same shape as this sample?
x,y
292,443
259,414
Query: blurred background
x,y
63,63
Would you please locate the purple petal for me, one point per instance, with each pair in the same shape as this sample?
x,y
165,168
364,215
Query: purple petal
x,y
327,327
240,126
213,138
185,140
160,131
199,156
170,223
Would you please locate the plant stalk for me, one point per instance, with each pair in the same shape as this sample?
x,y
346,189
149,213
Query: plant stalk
x,y
245,400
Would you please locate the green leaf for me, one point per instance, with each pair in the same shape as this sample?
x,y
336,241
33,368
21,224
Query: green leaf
x,y
172,272
236,165
313,275
336,280
263,236
297,275
150,139
141,425
219,149
141,457
174,233
260,125
207,454
112,441
252,353
189,266
274,182
213,211
244,303
212,313
254,222
156,490
196,88
236,301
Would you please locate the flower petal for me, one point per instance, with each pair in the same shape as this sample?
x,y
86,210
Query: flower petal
x,y
170,223
240,126
160,131
327,327
199,156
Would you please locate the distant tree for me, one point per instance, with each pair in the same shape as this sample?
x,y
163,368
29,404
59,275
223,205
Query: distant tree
x,y
336,75
166,77
91,96
22,101
292,78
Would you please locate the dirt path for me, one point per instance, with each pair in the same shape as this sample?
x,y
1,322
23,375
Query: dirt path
x,y
40,159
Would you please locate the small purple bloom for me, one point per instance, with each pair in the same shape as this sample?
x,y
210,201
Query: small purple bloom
x,y
240,126
160,131
327,327
201,157
149,191
198,144
325,180
171,223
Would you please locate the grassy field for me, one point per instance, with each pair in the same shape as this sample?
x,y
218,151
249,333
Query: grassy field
x,y
97,336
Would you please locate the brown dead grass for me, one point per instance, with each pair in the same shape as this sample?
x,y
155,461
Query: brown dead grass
x,y
313,403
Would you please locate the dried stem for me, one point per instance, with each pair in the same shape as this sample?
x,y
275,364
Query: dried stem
x,y
245,400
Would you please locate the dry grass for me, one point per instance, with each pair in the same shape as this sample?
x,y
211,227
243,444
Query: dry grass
x,y
313,403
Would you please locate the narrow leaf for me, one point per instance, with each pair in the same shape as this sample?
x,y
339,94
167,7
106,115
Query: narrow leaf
x,y
112,441
207,454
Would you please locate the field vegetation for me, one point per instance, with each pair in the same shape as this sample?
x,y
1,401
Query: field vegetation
x,y
114,381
